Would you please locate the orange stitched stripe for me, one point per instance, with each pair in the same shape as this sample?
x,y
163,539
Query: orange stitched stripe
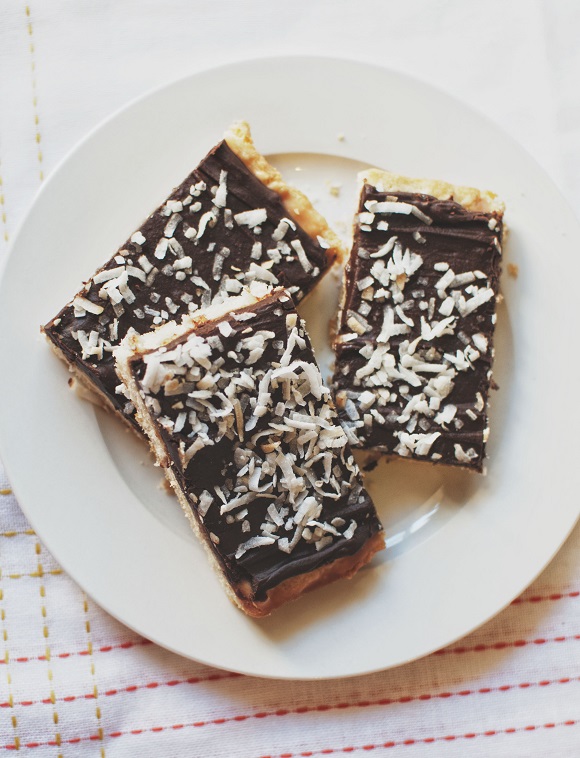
x,y
31,48
10,701
33,574
47,652
95,693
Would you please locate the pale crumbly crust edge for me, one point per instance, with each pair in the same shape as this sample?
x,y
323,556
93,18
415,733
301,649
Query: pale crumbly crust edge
x,y
133,348
299,207
470,198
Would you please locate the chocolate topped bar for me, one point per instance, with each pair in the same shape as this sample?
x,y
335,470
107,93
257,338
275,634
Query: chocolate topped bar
x,y
237,413
232,221
414,343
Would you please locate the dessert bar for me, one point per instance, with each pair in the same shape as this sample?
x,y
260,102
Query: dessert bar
x,y
231,222
237,414
414,341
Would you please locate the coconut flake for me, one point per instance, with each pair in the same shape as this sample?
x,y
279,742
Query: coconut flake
x,y
253,542
301,253
138,238
205,500
464,456
208,219
107,274
161,248
447,415
385,249
171,225
222,191
404,208
350,530
251,218
483,296
84,304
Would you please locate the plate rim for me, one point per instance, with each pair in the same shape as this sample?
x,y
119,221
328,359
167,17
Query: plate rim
x,y
151,94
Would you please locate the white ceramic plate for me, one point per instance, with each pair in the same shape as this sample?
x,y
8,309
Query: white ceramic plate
x,y
462,546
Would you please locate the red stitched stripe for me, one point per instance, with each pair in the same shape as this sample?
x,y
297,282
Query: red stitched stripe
x,y
482,647
476,648
130,688
423,740
303,708
542,598
104,649
324,751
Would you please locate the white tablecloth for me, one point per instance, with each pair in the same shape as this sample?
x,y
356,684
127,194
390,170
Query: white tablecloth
x,y
74,682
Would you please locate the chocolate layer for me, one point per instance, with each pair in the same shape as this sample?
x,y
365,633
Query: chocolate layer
x,y
192,250
255,444
414,347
